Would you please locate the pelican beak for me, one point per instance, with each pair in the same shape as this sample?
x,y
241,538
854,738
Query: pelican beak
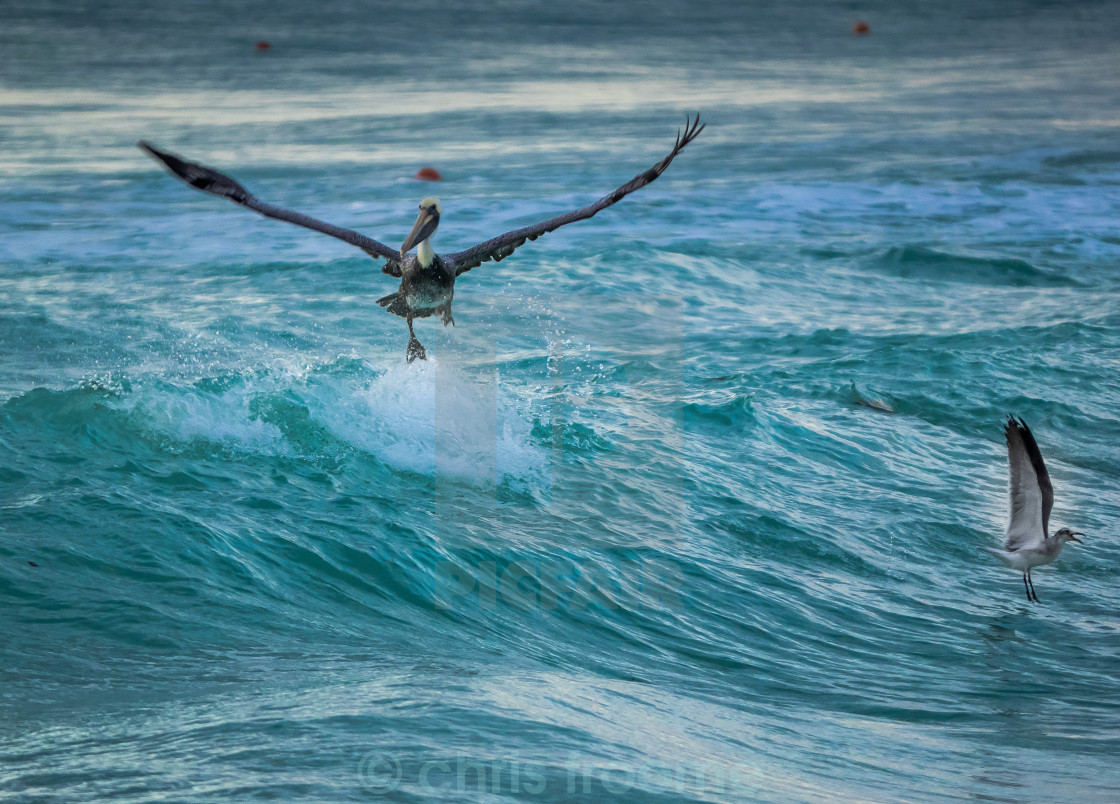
x,y
426,223
1073,537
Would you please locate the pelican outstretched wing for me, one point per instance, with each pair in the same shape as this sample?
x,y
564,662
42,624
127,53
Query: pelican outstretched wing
x,y
211,181
502,246
1030,493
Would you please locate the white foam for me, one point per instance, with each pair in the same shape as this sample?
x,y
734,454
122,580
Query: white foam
x,y
429,418
424,417
190,415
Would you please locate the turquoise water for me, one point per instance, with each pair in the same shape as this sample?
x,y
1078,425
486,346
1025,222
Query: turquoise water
x,y
688,505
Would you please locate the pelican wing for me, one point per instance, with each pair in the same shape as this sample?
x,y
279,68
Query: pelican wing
x,y
211,181
1029,491
502,246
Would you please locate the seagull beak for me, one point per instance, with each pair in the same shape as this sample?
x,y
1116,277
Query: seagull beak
x,y
426,223
1073,537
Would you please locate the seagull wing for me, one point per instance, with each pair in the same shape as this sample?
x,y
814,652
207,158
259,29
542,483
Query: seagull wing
x,y
211,181
1029,492
1044,485
502,246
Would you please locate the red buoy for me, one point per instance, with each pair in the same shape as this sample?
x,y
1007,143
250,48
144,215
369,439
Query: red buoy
x,y
861,28
428,174
262,45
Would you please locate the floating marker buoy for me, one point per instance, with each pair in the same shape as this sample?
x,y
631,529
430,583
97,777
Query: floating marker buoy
x,y
861,28
262,45
428,174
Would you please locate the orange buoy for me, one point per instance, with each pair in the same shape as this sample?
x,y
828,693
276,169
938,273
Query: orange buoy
x,y
428,174
262,45
861,28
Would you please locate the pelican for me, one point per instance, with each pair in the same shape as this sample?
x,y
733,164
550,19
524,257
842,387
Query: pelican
x,y
1025,544
427,279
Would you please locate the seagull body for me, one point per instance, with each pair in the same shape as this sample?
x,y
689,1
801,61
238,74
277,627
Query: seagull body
x,y
1031,497
427,279
1029,557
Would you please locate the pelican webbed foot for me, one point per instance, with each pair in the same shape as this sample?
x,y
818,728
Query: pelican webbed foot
x,y
447,318
415,350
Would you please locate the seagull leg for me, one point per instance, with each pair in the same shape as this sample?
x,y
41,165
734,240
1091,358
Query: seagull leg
x,y
1026,587
1029,578
415,350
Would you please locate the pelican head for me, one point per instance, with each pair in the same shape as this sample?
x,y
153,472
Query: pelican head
x,y
1067,535
425,227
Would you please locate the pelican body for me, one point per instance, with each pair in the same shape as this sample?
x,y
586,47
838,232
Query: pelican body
x,y
427,279
1025,543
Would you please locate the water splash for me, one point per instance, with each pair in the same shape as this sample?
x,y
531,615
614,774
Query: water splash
x,y
430,418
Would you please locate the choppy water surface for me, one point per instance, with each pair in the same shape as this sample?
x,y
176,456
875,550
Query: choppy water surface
x,y
688,505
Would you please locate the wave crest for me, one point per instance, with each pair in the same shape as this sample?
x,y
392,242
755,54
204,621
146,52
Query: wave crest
x,y
927,263
425,417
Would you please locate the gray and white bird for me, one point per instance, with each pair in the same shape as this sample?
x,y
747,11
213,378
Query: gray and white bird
x,y
427,279
1025,543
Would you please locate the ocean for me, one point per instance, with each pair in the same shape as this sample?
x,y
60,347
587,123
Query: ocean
x,y
689,504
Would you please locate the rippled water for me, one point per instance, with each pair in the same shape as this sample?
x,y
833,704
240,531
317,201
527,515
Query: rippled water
x,y
687,506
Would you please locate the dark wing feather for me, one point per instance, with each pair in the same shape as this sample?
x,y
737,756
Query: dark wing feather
x,y
211,181
1025,526
1044,484
502,246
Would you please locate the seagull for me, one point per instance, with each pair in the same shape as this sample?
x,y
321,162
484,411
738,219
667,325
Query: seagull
x,y
1025,544
427,279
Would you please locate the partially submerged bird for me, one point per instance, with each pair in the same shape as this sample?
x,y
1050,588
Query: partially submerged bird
x,y
427,279
1025,544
